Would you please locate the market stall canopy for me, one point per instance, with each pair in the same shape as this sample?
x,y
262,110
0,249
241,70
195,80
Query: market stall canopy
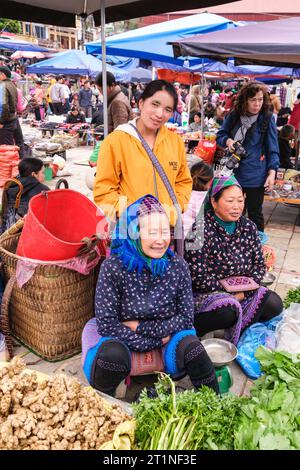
x,y
63,13
73,62
266,43
21,46
139,75
185,78
150,42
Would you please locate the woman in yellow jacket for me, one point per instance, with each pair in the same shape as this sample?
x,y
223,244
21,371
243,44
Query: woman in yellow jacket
x,y
48,94
125,172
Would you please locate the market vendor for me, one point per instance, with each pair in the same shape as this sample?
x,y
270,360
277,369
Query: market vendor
x,y
31,182
143,302
75,116
125,171
228,247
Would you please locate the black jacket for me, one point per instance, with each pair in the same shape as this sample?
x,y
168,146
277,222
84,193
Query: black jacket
x,y
31,187
286,152
71,119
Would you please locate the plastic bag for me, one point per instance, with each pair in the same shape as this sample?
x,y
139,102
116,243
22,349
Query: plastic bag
x,y
206,151
288,330
259,334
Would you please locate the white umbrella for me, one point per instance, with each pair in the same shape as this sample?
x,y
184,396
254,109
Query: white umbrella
x,y
27,55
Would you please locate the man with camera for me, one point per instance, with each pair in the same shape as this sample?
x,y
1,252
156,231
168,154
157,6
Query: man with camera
x,y
250,135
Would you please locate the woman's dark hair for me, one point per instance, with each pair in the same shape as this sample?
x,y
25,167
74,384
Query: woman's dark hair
x,y
197,113
287,131
218,196
30,165
160,85
249,90
201,174
298,96
38,82
74,108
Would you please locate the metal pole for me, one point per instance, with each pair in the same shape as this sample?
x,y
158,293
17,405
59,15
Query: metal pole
x,y
104,78
202,92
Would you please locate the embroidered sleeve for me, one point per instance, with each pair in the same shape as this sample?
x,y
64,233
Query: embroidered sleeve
x,y
258,263
107,310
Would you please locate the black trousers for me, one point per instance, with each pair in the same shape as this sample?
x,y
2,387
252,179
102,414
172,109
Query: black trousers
x,y
7,132
19,140
58,108
253,205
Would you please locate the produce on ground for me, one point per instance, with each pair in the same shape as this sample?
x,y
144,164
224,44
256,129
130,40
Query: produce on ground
x,y
187,421
56,413
293,295
271,417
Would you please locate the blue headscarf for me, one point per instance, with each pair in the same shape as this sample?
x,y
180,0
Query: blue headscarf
x,y
126,242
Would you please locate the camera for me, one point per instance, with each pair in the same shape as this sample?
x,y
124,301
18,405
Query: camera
x,y
232,159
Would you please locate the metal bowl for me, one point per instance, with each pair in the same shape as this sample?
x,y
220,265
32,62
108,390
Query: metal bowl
x,y
268,279
220,351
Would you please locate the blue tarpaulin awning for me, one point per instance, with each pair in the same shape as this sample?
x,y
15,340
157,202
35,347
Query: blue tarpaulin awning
x,y
21,46
150,42
74,62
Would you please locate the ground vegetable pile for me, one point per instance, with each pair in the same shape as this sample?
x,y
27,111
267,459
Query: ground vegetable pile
x,y
56,413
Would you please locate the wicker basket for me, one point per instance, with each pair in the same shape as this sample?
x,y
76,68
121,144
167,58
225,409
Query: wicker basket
x,y
49,312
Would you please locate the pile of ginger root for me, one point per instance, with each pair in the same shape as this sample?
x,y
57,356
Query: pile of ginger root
x,y
56,413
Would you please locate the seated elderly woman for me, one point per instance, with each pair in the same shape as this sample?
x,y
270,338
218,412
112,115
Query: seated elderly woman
x,y
227,246
143,302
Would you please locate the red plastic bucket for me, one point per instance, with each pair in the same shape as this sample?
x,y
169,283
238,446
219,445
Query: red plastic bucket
x,y
56,223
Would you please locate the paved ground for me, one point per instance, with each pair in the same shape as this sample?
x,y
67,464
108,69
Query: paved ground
x,y
284,238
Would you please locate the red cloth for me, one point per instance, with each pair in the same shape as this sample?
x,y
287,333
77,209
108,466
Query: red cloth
x,y
295,116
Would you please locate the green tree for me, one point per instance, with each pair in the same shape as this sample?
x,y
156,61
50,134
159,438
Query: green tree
x,y
10,26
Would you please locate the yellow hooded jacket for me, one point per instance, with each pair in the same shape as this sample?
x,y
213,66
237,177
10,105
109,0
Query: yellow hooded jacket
x,y
125,172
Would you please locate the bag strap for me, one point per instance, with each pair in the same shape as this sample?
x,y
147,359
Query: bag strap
x,y
19,195
179,237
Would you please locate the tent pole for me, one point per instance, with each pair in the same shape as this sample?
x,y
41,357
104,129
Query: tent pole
x,y
104,78
153,73
202,101
189,102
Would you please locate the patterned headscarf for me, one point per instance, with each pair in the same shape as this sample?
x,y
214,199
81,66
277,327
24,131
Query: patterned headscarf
x,y
219,183
126,242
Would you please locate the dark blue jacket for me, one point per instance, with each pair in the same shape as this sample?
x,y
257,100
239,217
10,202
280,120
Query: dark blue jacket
x,y
262,154
163,305
85,97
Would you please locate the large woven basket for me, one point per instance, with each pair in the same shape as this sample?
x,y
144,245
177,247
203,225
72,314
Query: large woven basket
x,y
49,312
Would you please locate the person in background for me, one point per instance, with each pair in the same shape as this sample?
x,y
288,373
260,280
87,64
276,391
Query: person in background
x,y
229,100
8,107
66,95
119,109
283,116
228,246
143,302
286,150
57,96
39,95
75,100
195,100
251,124
181,104
85,99
21,106
209,111
31,176
195,125
295,116
275,103
75,116
202,176
48,95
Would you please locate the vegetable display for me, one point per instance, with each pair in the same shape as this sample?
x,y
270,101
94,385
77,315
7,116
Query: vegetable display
x,y
293,295
271,417
187,421
55,413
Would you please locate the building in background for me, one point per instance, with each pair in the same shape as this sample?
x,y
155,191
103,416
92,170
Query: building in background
x,y
243,10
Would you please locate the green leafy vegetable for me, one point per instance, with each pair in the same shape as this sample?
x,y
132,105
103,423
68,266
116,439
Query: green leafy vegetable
x,y
293,295
187,421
